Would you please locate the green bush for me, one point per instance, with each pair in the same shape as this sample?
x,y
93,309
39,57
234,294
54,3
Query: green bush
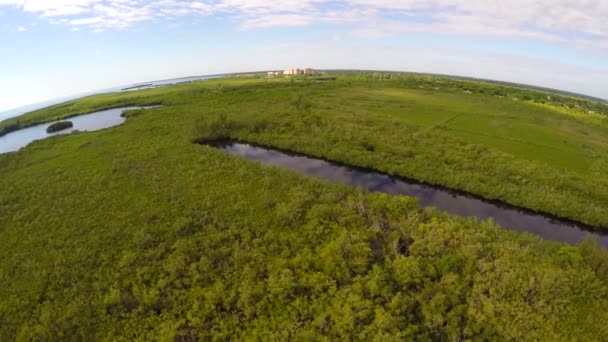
x,y
136,233
59,126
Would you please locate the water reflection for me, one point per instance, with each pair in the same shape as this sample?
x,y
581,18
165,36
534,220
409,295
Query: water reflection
x,y
449,201
88,122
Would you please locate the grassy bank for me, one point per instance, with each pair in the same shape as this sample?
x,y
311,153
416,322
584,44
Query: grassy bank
x,y
136,233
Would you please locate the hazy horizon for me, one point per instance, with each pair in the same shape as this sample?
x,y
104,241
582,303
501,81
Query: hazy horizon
x,y
55,49
12,112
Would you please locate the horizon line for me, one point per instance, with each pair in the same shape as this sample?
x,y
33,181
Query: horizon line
x,y
120,88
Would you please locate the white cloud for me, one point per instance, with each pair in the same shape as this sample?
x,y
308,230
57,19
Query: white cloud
x,y
278,20
582,22
21,29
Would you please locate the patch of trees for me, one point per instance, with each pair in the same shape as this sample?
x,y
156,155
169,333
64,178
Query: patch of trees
x,y
9,128
293,259
59,126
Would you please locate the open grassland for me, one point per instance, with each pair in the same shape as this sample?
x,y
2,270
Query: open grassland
x,y
523,129
137,233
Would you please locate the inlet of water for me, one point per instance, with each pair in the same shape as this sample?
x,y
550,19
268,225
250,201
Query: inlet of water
x,y
454,202
87,122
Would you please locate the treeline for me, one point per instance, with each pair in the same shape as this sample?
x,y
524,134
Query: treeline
x,y
531,94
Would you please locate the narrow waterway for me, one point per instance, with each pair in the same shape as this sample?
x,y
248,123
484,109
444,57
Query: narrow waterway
x,y
547,227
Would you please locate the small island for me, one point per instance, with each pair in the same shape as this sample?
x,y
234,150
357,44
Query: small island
x,y
59,126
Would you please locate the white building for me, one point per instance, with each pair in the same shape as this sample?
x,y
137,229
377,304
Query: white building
x,y
297,71
293,71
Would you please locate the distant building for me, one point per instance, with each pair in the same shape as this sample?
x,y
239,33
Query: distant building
x,y
292,71
297,71
275,73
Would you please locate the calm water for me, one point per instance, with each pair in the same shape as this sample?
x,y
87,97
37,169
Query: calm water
x,y
88,122
153,84
173,81
449,201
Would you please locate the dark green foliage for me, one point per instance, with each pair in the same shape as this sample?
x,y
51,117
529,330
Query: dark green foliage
x,y
136,233
300,102
9,127
217,127
59,126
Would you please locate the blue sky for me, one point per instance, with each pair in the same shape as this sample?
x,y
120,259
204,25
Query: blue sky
x,y
55,48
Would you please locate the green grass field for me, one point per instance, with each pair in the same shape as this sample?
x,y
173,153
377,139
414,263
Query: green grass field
x,y
525,130
138,233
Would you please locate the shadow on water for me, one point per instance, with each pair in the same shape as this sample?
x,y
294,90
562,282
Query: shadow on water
x,y
455,202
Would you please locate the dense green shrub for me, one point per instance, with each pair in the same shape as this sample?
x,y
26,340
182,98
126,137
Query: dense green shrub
x,y
136,233
59,126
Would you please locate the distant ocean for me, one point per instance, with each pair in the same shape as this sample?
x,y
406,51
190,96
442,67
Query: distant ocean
x,y
137,86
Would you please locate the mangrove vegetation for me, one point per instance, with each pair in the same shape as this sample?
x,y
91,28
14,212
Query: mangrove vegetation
x,y
138,233
59,126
